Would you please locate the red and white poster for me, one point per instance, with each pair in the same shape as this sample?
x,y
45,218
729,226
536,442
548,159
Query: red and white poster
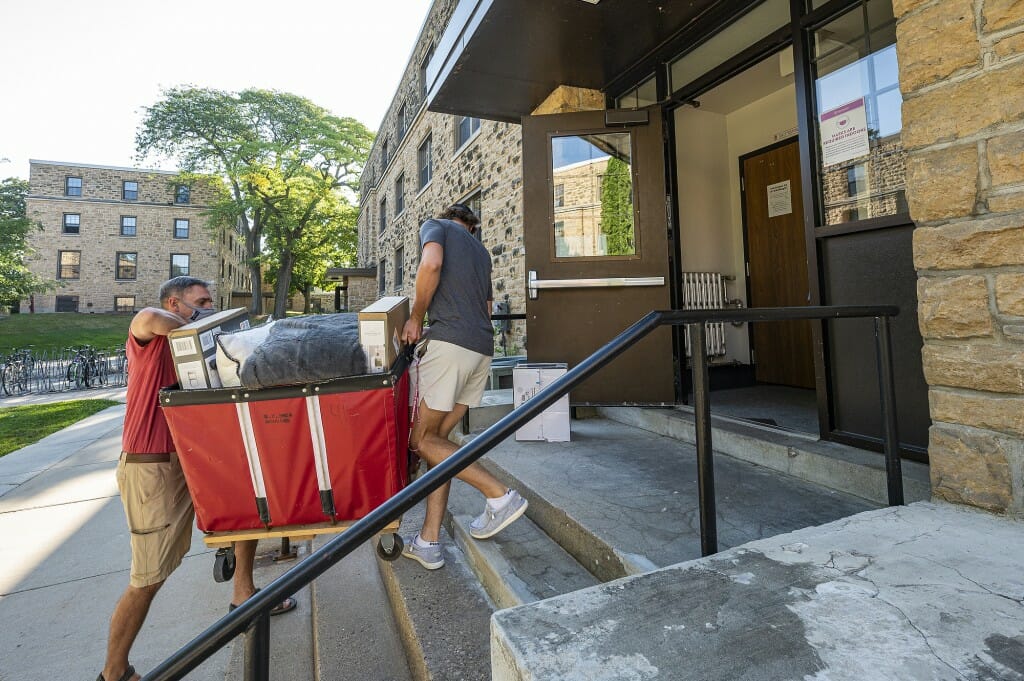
x,y
844,133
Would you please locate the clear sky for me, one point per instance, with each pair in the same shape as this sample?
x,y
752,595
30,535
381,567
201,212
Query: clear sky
x,y
75,75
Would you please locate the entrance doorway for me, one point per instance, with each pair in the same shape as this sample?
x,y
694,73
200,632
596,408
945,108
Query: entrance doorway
x,y
740,216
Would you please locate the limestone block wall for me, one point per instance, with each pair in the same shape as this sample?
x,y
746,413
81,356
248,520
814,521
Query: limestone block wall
x,y
485,171
214,255
962,77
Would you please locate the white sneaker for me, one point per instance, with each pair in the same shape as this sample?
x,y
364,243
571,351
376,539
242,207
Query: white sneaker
x,y
490,523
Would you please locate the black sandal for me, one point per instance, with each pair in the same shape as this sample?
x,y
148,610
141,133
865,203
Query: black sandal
x,y
128,674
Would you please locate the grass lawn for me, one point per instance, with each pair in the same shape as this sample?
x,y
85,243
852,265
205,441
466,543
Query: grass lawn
x,y
21,426
56,330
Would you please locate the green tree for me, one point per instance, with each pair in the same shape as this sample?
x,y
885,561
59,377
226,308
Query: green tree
x,y
617,208
288,166
16,281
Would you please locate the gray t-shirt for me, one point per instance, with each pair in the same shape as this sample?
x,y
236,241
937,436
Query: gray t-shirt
x,y
458,312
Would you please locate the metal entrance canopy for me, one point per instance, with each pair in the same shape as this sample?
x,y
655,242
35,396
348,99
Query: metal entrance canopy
x,y
499,59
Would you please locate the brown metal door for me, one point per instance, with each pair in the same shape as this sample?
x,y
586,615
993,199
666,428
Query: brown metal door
x,y
597,248
777,258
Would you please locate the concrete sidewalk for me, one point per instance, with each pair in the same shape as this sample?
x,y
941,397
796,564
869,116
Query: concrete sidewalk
x,y
64,557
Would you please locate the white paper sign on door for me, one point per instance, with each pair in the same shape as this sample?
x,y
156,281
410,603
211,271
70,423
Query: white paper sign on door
x,y
780,199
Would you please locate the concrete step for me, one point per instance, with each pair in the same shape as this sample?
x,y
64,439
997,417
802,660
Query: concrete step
x,y
622,500
520,565
443,616
830,464
355,636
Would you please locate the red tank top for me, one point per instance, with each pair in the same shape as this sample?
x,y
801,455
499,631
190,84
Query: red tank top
x,y
150,368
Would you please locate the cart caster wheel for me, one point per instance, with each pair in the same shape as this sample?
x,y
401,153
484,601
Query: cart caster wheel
x,y
223,565
389,546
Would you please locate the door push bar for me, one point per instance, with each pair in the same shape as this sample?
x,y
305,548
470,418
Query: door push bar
x,y
534,284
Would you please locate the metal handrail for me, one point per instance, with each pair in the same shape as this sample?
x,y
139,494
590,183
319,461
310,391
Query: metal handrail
x,y
253,614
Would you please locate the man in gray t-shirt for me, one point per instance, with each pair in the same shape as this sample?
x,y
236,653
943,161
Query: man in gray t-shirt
x,y
453,287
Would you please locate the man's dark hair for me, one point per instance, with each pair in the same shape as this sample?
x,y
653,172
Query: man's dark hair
x,y
462,213
176,287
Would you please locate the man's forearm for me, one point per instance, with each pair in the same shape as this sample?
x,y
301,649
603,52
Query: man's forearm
x,y
427,280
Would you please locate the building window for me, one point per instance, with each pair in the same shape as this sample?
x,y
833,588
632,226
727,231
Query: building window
x,y
67,304
399,266
401,125
73,186
425,160
124,304
72,223
179,264
130,190
182,193
466,127
559,195
381,280
382,217
69,264
127,265
858,105
423,70
384,156
180,228
472,202
128,225
400,195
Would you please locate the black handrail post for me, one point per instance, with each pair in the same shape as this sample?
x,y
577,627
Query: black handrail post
x,y
705,454
887,395
257,648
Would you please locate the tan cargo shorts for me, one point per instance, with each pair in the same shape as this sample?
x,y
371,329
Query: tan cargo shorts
x,y
160,515
447,374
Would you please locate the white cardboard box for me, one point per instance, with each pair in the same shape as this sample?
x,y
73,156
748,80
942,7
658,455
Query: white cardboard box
x,y
195,352
552,425
380,332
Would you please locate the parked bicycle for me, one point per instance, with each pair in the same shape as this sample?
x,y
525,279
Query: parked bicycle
x,y
87,368
16,375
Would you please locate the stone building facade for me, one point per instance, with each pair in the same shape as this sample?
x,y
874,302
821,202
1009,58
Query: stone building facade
x,y
423,161
962,76
110,236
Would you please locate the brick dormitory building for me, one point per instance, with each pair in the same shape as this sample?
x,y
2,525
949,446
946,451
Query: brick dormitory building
x,y
823,152
110,236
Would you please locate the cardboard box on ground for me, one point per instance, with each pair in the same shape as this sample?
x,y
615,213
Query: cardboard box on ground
x,y
194,349
380,332
553,423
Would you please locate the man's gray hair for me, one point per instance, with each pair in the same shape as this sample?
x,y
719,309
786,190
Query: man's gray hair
x,y
176,287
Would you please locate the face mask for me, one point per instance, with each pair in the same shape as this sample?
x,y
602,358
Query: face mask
x,y
198,312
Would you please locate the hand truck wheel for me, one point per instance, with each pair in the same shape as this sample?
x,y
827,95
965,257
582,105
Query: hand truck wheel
x,y
389,546
224,564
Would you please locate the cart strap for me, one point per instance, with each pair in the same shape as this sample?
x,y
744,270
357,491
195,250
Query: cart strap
x,y
316,433
252,454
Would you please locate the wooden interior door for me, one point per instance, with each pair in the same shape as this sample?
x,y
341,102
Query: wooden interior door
x,y
777,263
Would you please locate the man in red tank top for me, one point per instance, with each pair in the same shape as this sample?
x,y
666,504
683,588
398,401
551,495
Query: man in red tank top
x,y
153,491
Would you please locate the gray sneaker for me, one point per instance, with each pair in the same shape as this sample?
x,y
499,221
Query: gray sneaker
x,y
490,523
431,557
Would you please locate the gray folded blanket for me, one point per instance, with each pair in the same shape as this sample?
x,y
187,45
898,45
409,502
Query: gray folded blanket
x,y
306,349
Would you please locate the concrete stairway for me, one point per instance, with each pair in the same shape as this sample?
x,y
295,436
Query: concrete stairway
x,y
618,500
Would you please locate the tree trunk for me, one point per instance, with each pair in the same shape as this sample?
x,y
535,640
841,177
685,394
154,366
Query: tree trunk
x,y
284,283
255,275
305,299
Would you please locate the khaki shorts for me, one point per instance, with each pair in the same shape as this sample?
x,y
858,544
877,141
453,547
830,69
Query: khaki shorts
x,y
159,511
448,374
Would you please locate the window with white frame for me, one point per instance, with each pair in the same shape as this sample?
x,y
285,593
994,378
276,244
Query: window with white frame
x,y
128,225
73,186
180,228
465,128
425,161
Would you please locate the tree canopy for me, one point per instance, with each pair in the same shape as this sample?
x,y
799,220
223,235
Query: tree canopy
x,y
291,170
16,281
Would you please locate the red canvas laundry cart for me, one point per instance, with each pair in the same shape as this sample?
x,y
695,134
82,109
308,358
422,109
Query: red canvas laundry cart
x,y
292,461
